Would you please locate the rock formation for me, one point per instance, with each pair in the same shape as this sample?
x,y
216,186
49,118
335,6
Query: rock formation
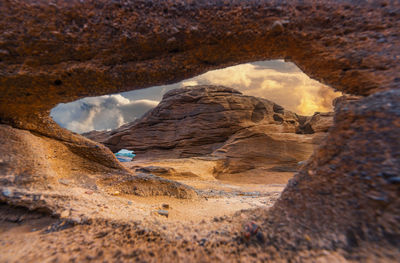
x,y
346,197
248,133
319,122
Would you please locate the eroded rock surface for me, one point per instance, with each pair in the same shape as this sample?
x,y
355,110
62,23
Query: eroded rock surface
x,y
59,51
249,134
319,122
359,178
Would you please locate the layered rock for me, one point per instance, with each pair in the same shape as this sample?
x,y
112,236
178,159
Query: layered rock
x,y
319,122
247,132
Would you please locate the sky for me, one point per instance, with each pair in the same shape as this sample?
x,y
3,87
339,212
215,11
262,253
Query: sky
x,y
281,82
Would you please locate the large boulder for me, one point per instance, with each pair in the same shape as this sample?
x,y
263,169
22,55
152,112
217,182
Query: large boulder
x,y
248,132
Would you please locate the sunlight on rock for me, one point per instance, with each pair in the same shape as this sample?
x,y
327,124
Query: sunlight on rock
x,y
281,82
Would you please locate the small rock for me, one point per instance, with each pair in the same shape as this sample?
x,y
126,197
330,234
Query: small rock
x,y
6,192
65,214
77,220
277,27
174,30
202,241
171,40
116,193
301,163
130,202
194,28
165,206
252,229
89,192
64,181
163,212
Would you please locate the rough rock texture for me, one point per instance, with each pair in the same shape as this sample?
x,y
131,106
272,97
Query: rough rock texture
x,y
199,120
348,192
249,134
59,51
319,122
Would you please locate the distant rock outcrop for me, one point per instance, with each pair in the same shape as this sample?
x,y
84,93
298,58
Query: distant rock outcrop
x,y
248,132
319,122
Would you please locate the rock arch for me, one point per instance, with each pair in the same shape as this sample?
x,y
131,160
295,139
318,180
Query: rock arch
x,y
59,51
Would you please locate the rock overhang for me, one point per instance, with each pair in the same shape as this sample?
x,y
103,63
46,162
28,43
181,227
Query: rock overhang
x,y
65,50
59,51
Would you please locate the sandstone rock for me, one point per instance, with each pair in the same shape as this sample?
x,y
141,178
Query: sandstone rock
x,y
351,172
163,212
319,122
208,115
248,132
345,99
96,135
61,50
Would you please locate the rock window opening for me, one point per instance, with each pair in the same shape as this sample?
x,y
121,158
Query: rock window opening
x,y
236,135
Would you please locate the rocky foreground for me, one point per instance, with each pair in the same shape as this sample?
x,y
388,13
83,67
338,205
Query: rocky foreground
x,y
248,136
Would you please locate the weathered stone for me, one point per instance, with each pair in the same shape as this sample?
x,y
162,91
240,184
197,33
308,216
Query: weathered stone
x,y
248,133
63,50
208,115
163,212
343,177
319,122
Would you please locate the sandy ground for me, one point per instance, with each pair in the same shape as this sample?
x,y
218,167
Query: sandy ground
x,y
128,228
218,197
174,219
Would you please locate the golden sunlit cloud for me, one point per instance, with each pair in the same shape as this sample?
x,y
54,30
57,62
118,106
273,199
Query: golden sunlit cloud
x,y
292,89
278,81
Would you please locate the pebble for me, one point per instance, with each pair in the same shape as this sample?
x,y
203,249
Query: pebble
x,y
6,192
165,206
174,30
171,40
277,27
163,212
64,181
202,241
64,214
130,202
252,229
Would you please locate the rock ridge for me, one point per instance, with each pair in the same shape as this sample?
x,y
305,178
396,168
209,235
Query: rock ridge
x,y
246,131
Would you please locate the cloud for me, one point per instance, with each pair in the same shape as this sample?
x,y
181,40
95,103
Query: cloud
x,y
100,113
278,81
189,83
281,82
